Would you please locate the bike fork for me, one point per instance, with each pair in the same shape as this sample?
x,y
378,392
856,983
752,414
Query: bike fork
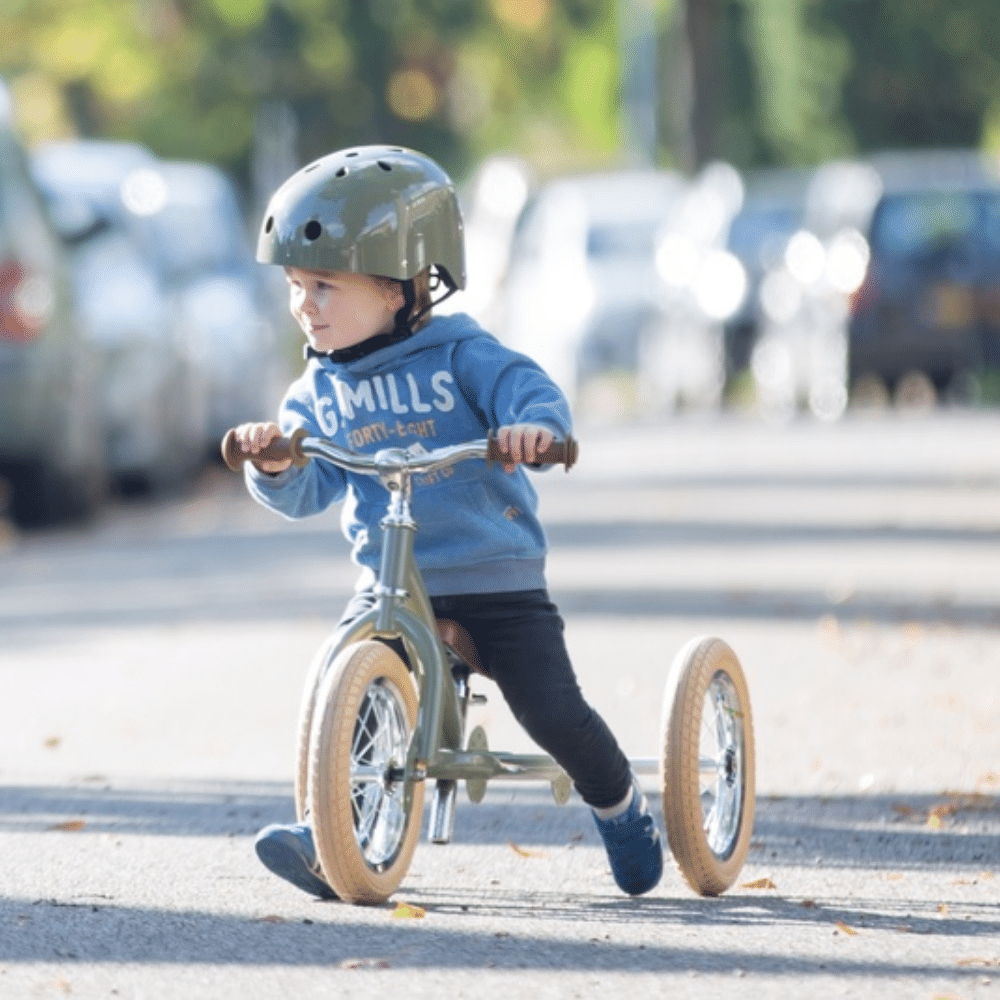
x,y
443,810
442,819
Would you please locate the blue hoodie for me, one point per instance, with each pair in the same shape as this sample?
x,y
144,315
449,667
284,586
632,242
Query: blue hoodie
x,y
450,382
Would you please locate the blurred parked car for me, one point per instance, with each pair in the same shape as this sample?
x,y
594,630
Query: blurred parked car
x,y
800,358
51,464
930,302
101,196
223,308
581,285
772,210
492,201
702,285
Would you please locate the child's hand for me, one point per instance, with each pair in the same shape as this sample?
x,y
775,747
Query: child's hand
x,y
253,437
522,442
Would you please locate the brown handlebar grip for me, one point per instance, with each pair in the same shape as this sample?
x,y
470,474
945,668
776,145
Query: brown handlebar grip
x,y
558,453
278,450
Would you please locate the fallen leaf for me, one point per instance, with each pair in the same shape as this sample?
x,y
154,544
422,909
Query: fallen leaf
x,y
523,852
989,963
961,881
408,911
364,963
934,821
944,909
70,826
986,876
829,630
64,985
809,904
945,809
989,778
271,918
850,931
894,876
52,742
761,883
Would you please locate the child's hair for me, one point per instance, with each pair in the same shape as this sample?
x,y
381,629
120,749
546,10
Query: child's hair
x,y
421,293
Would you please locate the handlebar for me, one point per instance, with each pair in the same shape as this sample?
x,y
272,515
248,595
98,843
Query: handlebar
x,y
300,448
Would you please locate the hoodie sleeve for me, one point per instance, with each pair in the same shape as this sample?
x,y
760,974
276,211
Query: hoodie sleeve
x,y
509,388
297,492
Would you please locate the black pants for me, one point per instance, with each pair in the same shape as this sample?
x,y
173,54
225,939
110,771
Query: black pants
x,y
519,637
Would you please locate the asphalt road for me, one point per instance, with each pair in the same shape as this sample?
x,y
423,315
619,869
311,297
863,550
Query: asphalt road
x,y
151,669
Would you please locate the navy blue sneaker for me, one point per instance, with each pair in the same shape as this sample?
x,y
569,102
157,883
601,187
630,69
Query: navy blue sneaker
x,y
289,852
633,845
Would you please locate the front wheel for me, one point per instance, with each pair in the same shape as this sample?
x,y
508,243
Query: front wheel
x,y
365,825
708,765
321,662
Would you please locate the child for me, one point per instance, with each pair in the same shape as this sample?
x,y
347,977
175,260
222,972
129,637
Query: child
x,y
358,233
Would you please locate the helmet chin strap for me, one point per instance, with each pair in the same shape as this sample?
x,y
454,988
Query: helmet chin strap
x,y
404,321
403,318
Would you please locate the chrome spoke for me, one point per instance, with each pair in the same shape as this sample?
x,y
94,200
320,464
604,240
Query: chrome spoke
x,y
380,743
720,764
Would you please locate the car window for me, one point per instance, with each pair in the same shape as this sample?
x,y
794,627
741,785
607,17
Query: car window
x,y
21,212
527,239
912,225
754,230
193,237
623,239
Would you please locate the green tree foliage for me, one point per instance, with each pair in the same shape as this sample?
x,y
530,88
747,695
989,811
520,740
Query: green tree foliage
x,y
758,82
189,77
924,72
805,80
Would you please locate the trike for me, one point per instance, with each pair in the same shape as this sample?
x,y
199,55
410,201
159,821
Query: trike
x,y
375,728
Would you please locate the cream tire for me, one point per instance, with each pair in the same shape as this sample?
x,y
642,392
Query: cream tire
x,y
317,670
707,765
364,825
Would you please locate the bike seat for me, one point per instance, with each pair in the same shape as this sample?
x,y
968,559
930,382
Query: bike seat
x,y
457,637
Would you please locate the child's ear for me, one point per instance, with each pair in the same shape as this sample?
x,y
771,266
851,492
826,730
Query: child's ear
x,y
392,294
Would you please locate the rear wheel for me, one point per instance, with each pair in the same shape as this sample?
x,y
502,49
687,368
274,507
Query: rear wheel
x,y
708,765
366,818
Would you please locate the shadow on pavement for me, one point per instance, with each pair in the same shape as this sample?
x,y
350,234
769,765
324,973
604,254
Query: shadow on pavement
x,y
897,832
99,931
175,600
469,925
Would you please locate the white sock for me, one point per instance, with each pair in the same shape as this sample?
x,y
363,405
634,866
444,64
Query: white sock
x,y
613,812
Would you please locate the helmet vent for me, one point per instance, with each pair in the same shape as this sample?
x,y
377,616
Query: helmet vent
x,y
269,225
384,165
312,166
352,153
342,172
313,230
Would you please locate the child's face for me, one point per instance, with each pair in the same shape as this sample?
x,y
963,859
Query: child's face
x,y
338,309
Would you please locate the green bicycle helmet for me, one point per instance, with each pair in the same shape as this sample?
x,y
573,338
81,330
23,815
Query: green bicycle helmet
x,y
379,210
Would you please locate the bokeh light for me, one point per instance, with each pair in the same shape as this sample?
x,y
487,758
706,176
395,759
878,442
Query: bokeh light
x,y
411,95
527,15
